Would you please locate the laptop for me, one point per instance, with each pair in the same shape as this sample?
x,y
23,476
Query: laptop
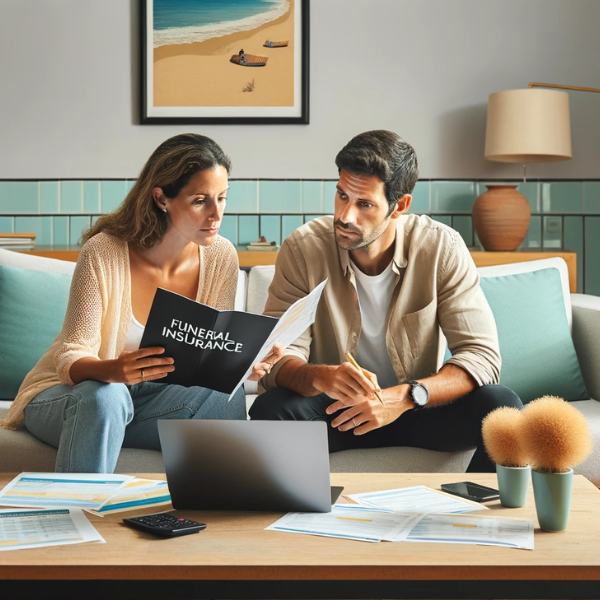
x,y
247,465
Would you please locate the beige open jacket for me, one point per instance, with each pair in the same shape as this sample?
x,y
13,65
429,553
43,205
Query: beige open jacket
x,y
437,286
99,311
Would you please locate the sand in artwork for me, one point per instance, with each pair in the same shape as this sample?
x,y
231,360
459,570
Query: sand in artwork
x,y
201,73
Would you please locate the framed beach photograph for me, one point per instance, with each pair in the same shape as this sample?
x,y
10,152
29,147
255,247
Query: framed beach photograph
x,y
224,61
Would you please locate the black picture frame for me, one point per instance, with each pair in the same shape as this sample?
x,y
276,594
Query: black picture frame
x,y
299,113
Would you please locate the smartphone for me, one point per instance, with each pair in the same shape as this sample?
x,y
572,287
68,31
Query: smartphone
x,y
471,491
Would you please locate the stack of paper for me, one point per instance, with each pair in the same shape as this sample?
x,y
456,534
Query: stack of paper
x,y
27,528
81,490
17,241
263,245
139,493
417,499
415,514
61,498
349,522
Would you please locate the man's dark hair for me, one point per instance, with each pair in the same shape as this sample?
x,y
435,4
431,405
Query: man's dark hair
x,y
385,154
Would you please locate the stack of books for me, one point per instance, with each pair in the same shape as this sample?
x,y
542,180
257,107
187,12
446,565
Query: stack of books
x,y
17,241
264,246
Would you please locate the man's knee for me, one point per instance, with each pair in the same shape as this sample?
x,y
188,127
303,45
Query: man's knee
x,y
491,397
272,405
284,405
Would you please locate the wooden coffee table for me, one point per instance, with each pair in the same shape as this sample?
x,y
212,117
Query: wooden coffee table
x,y
236,558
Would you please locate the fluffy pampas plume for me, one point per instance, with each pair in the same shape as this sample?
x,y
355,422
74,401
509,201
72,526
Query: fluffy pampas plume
x,y
503,438
556,435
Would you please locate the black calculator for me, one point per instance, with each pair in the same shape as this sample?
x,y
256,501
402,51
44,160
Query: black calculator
x,y
165,524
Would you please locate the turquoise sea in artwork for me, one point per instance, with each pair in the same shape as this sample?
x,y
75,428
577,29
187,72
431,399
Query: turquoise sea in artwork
x,y
187,21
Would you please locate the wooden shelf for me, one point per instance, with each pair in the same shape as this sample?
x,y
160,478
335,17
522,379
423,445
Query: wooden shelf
x,y
249,258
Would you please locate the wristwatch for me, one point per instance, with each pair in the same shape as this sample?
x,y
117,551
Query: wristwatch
x,y
418,393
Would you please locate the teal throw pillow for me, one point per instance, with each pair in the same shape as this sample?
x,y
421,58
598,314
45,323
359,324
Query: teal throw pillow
x,y
538,356
32,311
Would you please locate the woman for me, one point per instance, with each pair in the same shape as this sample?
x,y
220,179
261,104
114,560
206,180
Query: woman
x,y
94,390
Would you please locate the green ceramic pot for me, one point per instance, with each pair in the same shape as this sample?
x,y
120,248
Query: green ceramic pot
x,y
513,483
552,493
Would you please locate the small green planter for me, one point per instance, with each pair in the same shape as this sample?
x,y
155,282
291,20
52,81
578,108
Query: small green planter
x,y
513,483
552,493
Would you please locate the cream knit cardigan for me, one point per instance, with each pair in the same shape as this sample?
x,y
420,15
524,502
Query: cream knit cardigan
x,y
99,311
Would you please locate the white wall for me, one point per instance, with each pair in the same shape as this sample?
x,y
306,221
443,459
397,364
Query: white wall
x,y
424,68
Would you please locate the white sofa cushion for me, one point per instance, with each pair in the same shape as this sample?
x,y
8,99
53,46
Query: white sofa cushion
x,y
259,281
23,260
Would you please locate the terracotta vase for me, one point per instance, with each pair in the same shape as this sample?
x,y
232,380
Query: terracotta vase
x,y
501,217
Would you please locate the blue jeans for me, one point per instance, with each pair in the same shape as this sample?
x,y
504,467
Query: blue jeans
x,y
91,421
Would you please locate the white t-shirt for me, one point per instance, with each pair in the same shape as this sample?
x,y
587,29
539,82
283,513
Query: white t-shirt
x,y
136,331
374,297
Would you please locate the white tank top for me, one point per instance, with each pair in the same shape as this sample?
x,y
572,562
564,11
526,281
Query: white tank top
x,y
136,331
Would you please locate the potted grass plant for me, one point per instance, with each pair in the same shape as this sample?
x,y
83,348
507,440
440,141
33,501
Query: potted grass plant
x,y
556,438
503,440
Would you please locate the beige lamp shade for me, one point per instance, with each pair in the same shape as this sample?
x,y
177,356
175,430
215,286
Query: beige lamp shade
x,y
528,126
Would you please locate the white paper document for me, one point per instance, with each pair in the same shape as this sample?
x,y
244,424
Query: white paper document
x,y
139,493
473,529
417,499
351,523
20,529
292,324
83,490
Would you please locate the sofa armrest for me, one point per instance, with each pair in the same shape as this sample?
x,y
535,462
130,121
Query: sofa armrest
x,y
586,337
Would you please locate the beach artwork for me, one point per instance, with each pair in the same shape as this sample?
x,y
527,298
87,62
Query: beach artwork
x,y
224,61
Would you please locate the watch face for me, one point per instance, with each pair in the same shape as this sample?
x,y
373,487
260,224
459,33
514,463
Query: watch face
x,y
420,394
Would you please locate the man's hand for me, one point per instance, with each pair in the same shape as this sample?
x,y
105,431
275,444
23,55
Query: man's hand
x,y
371,414
346,384
260,369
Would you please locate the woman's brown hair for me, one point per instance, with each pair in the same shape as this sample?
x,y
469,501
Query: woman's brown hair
x,y
170,167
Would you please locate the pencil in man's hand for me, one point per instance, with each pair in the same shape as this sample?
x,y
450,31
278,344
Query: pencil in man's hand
x,y
355,364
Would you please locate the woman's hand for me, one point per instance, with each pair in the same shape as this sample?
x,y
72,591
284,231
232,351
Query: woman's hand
x,y
141,365
260,369
130,367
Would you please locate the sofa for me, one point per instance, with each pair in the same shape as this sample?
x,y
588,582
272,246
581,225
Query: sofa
x,y
556,314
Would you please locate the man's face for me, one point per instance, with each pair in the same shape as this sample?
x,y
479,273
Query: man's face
x,y
361,210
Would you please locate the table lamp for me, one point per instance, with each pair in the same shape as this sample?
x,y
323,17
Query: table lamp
x,y
523,126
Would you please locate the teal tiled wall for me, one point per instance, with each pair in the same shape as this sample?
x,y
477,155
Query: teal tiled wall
x,y
565,214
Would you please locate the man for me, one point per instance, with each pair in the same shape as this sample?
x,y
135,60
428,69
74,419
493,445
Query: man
x,y
394,280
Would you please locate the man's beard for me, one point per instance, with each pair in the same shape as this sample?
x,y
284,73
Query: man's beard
x,y
360,241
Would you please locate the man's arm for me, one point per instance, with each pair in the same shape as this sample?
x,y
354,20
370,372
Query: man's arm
x,y
450,383
343,383
290,283
466,317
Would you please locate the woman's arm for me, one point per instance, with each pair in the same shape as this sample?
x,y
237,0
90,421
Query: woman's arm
x,y
130,367
81,332
77,358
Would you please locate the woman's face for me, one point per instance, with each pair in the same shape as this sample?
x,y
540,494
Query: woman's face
x,y
197,211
